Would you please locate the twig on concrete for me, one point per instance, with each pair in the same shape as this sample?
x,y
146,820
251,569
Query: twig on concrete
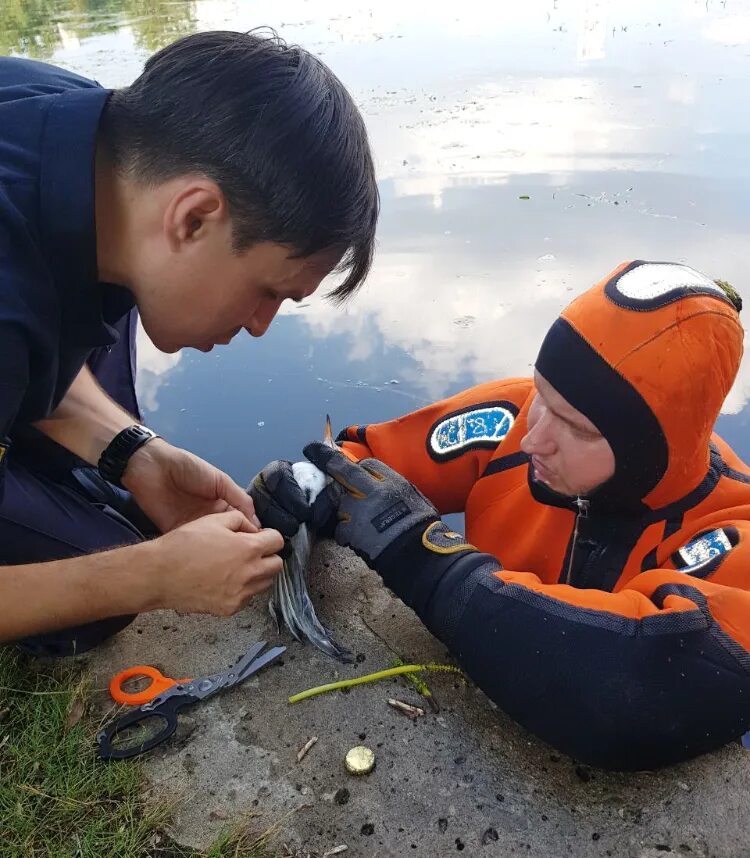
x,y
305,748
407,709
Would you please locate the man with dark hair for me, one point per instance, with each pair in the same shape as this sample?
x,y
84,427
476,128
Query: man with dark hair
x,y
601,595
233,174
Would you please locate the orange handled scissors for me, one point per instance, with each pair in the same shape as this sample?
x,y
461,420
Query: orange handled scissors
x,y
158,683
124,737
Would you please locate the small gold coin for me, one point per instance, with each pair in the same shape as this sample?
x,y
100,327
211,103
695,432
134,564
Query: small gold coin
x,y
360,760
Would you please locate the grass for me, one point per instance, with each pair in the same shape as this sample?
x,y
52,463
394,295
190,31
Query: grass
x,y
58,800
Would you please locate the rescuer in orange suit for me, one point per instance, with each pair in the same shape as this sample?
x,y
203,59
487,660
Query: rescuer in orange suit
x,y
601,595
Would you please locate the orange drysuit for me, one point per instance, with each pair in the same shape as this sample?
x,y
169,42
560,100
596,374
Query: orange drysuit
x,y
616,627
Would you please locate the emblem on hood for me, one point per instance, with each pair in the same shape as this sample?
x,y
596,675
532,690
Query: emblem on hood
x,y
649,285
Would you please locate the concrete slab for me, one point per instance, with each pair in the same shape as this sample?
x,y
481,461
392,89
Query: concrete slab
x,y
465,780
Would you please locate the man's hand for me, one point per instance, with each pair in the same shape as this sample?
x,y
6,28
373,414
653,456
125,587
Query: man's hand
x,y
377,507
173,487
214,565
395,529
279,500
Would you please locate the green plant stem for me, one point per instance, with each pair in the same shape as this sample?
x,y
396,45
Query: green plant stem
x,y
371,677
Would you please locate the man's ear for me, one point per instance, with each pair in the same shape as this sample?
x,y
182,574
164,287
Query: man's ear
x,y
196,207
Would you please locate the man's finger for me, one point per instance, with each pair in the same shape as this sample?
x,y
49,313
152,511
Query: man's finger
x,y
234,520
279,501
268,540
271,566
237,498
286,491
319,454
324,509
347,473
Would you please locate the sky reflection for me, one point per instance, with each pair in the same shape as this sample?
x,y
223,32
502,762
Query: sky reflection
x,y
620,121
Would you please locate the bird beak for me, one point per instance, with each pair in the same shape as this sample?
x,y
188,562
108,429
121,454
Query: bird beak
x,y
328,434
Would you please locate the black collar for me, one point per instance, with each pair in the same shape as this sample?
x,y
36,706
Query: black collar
x,y
602,503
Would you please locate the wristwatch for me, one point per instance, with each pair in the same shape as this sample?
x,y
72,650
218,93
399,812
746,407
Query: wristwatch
x,y
117,453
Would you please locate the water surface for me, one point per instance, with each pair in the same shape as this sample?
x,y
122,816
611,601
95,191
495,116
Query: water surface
x,y
523,151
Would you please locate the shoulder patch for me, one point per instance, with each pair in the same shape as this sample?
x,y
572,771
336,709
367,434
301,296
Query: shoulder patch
x,y
482,426
705,551
649,285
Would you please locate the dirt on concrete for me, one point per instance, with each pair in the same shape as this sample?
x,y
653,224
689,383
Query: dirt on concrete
x,y
465,779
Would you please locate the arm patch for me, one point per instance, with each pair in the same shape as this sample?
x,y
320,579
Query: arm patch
x,y
482,426
704,553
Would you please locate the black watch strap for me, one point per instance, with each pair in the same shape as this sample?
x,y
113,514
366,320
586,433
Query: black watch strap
x,y
114,459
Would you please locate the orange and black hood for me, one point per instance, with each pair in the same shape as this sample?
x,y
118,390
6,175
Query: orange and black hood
x,y
648,355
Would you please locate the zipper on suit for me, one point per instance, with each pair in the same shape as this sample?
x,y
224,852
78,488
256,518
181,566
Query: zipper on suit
x,y
583,512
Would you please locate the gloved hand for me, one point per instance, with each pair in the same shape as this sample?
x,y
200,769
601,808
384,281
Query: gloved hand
x,y
376,506
385,519
279,501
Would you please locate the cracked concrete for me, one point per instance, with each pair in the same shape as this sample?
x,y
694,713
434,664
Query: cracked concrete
x,y
464,780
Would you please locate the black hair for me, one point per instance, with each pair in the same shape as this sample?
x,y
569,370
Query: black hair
x,y
271,125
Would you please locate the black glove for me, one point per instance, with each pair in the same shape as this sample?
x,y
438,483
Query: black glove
x,y
388,522
376,505
279,501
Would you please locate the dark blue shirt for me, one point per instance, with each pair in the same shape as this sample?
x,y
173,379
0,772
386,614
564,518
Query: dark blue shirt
x,y
53,312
